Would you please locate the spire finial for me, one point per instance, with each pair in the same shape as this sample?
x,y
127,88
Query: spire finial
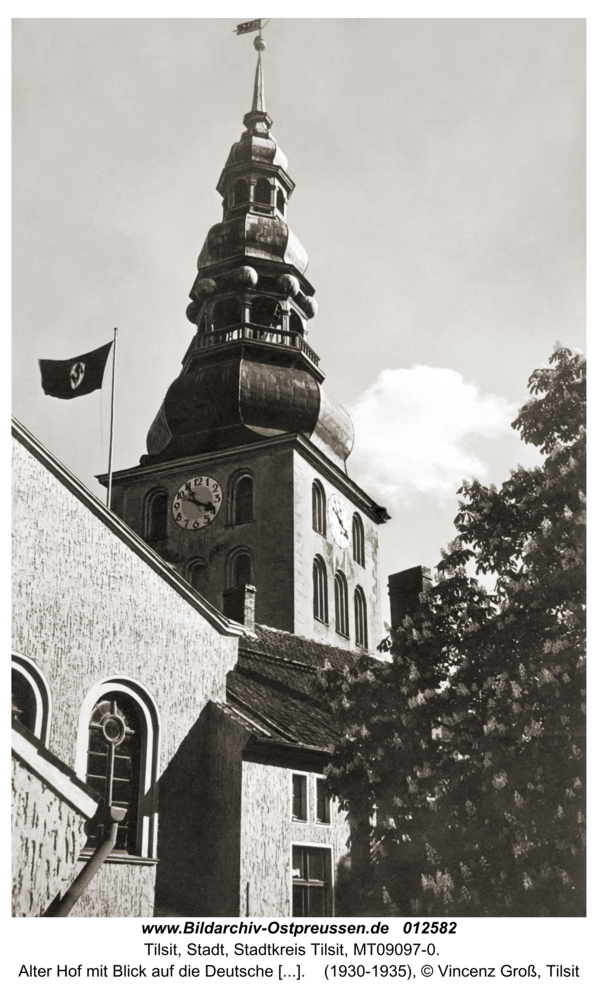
x,y
259,97
258,119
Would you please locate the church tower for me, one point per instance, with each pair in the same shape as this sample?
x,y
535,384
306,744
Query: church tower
x,y
244,487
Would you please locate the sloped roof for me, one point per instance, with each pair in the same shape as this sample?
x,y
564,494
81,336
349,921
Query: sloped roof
x,y
274,685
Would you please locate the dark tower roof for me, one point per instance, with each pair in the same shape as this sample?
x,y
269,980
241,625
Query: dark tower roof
x,y
249,371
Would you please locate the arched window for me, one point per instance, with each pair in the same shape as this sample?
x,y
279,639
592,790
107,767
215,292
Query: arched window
x,y
116,738
157,516
266,311
341,604
320,590
241,192
262,191
239,574
361,619
318,507
280,202
117,755
243,501
240,570
358,544
31,702
196,573
226,312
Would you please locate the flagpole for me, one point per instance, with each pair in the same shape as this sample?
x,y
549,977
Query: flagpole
x,y
109,500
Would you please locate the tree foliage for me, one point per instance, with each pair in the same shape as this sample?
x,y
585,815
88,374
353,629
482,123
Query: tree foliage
x,y
470,743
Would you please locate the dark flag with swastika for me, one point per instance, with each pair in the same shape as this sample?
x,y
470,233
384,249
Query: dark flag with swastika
x,y
75,377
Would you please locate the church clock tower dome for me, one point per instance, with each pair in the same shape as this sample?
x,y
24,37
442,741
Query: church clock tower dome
x,y
249,371
244,487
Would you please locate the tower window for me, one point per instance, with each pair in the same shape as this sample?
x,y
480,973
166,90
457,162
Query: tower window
x,y
296,323
196,574
358,542
114,764
241,192
243,501
266,311
227,312
262,191
311,881
320,590
280,202
157,517
318,507
361,619
341,604
241,570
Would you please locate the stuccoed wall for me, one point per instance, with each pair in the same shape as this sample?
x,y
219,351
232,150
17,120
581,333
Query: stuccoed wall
x,y
47,836
268,833
86,607
309,543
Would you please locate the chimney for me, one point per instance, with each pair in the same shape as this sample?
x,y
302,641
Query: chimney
x,y
404,589
239,604
249,607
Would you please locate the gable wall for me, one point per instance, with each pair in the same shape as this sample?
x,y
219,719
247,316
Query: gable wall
x,y
86,607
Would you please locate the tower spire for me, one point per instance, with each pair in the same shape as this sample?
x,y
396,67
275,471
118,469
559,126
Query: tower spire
x,y
259,97
257,120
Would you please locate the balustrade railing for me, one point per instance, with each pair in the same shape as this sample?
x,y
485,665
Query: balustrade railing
x,y
263,334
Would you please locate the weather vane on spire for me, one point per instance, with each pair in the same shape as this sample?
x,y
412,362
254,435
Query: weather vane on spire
x,y
247,26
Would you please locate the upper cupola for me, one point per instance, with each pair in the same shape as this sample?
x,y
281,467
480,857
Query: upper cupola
x,y
249,371
255,188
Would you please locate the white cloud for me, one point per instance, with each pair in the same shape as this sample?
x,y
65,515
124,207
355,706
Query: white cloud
x,y
418,431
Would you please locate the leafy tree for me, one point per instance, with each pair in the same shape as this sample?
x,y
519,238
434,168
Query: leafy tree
x,y
470,743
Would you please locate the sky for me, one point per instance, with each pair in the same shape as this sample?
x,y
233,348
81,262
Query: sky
x,y
439,166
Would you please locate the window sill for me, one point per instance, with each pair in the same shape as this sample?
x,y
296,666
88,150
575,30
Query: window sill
x,y
321,620
295,819
118,859
345,635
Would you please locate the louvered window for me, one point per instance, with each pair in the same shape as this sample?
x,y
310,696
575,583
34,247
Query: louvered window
x,y
320,590
361,620
358,544
341,604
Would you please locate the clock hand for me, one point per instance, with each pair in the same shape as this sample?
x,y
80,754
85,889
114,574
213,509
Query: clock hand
x,y
343,529
198,503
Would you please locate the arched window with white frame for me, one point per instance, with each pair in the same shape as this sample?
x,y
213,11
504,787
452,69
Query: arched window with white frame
x,y
117,755
31,699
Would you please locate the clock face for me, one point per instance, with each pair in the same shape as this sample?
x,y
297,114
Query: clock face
x,y
196,503
339,520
